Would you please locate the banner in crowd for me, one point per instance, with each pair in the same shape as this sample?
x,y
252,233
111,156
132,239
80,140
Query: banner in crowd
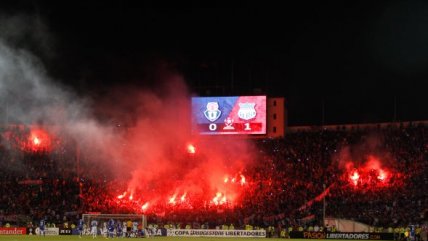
x,y
341,235
13,231
216,233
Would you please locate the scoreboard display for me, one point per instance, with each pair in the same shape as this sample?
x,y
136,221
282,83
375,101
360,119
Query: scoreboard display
x,y
229,115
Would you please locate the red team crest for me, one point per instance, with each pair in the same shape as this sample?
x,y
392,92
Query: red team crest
x,y
247,111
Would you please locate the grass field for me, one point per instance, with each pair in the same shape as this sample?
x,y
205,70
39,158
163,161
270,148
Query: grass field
x,y
75,237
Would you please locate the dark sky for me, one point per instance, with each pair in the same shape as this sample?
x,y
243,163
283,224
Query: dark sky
x,y
353,58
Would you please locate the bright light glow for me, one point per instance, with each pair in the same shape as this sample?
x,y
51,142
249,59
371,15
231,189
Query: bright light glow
x,y
242,180
355,176
122,195
218,199
145,206
172,199
382,175
223,200
36,141
191,149
183,197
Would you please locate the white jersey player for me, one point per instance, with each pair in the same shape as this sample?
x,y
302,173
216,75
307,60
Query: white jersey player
x,y
94,227
135,228
104,230
124,229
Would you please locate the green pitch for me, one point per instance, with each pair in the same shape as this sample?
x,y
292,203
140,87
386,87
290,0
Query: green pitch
x,y
75,238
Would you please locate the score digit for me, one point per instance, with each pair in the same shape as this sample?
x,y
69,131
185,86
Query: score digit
x,y
247,127
212,127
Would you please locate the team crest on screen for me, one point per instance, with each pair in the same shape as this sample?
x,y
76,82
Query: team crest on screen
x,y
246,111
212,113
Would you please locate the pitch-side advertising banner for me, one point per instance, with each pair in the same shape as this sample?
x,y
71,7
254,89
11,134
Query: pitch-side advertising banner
x,y
340,235
13,231
216,233
48,231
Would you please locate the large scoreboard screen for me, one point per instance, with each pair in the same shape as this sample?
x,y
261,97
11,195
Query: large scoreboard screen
x,y
229,115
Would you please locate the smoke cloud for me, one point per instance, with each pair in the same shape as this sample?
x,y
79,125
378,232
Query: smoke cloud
x,y
365,151
149,155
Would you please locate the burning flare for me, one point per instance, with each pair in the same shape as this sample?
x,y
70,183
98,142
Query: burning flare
x,y
355,177
191,149
382,175
145,206
122,195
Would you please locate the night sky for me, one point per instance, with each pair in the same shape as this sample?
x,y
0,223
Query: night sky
x,y
354,58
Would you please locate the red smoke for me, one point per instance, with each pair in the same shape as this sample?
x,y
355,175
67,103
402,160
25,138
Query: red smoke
x,y
162,169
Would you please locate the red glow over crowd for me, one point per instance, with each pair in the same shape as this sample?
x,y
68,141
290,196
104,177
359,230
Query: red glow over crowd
x,y
231,191
285,183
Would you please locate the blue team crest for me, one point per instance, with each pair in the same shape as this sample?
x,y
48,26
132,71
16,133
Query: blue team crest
x,y
247,111
212,113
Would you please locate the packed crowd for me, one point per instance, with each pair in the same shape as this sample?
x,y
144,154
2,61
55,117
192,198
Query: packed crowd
x,y
290,184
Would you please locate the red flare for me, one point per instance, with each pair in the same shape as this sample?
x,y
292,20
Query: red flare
x,y
36,141
217,201
242,180
183,197
355,176
122,195
223,200
145,206
172,199
191,149
382,175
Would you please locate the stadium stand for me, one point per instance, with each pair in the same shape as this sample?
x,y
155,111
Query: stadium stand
x,y
289,182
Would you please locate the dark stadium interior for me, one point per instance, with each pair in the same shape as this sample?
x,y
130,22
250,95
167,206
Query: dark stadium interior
x,y
346,55
95,116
